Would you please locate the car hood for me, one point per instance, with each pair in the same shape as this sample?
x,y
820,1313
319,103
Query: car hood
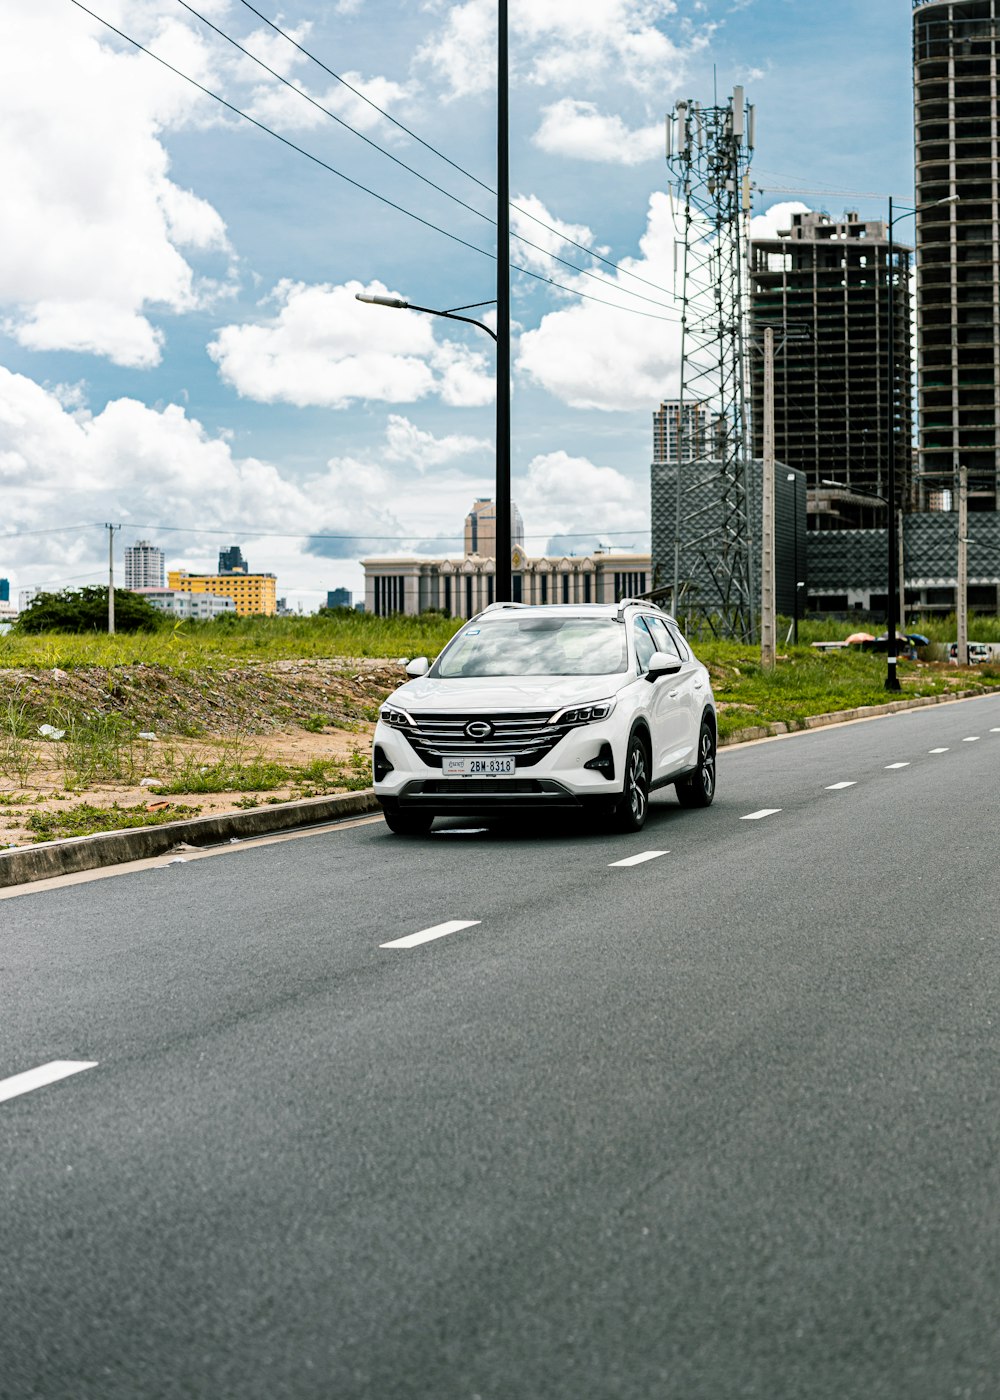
x,y
491,693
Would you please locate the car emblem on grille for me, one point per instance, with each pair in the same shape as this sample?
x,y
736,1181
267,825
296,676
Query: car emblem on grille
x,y
479,729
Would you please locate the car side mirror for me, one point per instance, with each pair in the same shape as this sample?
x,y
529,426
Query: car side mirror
x,y
419,666
661,663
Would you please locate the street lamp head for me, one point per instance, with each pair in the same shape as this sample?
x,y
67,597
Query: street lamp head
x,y
396,302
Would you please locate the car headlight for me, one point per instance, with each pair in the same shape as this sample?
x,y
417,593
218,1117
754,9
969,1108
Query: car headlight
x,y
398,719
584,714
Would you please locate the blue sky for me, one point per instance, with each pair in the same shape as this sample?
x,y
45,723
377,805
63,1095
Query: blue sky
x,y
180,347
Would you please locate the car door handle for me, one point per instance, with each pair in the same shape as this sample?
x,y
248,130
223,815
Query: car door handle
x,y
672,694
699,685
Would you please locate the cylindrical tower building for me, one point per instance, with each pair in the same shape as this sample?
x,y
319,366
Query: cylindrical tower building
x,y
955,88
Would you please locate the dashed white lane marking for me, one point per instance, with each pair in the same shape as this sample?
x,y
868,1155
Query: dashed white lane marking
x,y
38,1078
995,731
937,750
836,787
427,934
898,765
764,812
637,860
971,739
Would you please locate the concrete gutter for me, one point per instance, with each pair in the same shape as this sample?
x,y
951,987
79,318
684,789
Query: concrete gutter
x,y
80,853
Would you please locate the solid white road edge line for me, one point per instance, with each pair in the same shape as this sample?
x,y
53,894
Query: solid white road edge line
x,y
38,1078
637,860
898,765
836,787
426,935
764,812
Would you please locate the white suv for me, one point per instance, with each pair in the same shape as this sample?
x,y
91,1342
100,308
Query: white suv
x,y
588,706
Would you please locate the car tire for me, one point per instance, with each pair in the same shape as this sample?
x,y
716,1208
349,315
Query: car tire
x,y
698,788
409,823
633,806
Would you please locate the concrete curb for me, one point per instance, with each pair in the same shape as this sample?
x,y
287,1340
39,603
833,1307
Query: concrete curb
x,y
917,702
78,853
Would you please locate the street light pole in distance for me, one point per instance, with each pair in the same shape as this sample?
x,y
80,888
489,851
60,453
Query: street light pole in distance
x,y
891,679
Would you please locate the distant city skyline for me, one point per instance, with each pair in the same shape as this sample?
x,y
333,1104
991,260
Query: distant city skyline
x,y
189,360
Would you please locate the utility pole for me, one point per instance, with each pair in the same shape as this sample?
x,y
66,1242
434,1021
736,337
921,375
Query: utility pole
x,y
901,541
767,579
962,599
111,577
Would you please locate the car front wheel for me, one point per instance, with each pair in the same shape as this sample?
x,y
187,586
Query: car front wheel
x,y
698,788
630,813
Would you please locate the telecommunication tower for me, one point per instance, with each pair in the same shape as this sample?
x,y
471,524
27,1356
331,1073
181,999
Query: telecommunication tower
x,y
709,150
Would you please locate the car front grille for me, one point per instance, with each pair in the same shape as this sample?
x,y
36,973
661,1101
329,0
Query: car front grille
x,y
526,736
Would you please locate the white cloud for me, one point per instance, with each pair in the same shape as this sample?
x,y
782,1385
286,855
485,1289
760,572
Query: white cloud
x,y
557,43
591,356
62,465
405,442
325,348
278,106
90,222
552,236
776,219
578,130
561,494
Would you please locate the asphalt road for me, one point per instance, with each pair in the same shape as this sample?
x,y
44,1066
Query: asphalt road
x,y
723,1122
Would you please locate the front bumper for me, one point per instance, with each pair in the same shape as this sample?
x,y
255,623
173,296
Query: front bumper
x,y
560,779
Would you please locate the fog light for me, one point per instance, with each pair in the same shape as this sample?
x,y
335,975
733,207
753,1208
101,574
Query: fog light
x,y
380,764
604,763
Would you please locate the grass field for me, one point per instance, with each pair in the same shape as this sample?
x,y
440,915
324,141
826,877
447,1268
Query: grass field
x,y
189,645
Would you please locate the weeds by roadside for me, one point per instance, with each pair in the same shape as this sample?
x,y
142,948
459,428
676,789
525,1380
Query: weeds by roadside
x,y
85,819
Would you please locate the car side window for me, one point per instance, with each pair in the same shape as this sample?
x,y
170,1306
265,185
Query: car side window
x,y
683,649
644,645
661,636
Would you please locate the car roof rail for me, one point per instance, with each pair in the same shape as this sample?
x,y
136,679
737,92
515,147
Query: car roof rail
x,y
495,607
624,603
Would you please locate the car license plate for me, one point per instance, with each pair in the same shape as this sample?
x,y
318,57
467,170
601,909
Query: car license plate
x,y
469,767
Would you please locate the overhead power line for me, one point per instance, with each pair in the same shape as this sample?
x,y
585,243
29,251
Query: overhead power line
x,y
382,199
470,208
609,262
237,532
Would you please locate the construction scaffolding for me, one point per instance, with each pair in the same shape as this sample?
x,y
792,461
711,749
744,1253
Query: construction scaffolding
x,y
709,150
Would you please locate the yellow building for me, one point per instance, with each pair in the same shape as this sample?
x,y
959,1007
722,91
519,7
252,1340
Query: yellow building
x,y
253,594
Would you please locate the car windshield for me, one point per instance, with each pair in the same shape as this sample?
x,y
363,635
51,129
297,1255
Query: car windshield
x,y
536,646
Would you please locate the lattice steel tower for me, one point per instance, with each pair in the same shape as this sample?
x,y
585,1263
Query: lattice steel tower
x,y
708,154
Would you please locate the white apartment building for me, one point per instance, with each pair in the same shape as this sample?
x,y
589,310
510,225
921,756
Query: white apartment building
x,y
144,566
200,607
681,430
463,587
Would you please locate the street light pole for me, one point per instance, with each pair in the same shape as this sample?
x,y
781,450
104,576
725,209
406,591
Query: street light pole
x,y
503,582
793,478
891,679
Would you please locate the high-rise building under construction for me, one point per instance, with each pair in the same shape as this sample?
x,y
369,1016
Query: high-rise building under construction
x,y
823,286
956,90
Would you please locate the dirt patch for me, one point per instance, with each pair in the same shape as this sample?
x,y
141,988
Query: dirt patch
x,y
225,739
